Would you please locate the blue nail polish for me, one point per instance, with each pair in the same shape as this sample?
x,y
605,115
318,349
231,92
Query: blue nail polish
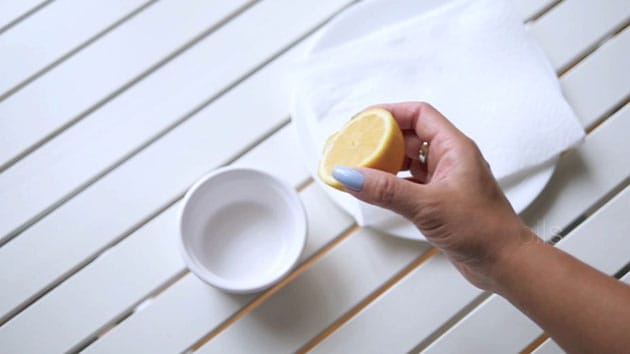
x,y
349,177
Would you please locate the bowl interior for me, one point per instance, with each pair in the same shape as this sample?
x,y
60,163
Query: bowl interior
x,y
242,229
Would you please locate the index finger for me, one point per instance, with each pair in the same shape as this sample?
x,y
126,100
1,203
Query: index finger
x,y
422,118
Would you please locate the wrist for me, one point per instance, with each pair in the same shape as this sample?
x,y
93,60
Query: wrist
x,y
512,258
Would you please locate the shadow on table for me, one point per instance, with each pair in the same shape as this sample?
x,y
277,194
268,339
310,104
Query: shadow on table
x,y
571,170
320,295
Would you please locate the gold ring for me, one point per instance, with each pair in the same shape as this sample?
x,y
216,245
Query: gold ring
x,y
424,152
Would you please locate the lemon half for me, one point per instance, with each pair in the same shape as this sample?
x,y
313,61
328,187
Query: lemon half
x,y
371,139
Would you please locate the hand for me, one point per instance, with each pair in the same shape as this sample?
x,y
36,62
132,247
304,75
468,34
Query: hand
x,y
453,199
456,203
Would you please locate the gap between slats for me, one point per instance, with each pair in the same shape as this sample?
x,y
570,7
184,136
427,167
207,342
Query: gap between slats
x,y
24,16
67,55
154,67
267,294
544,336
542,12
366,301
600,120
623,271
157,136
590,211
612,33
535,344
139,225
171,202
137,307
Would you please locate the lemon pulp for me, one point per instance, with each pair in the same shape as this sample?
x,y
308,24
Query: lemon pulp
x,y
371,139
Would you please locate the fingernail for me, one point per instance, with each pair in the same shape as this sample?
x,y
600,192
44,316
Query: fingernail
x,y
349,177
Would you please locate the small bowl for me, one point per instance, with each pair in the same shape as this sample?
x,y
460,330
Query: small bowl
x,y
241,230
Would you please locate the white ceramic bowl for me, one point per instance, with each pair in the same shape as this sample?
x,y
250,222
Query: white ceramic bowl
x,y
241,230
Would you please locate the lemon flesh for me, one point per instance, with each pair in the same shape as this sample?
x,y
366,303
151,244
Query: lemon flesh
x,y
371,139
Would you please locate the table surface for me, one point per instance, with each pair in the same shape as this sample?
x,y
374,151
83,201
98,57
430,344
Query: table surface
x,y
110,110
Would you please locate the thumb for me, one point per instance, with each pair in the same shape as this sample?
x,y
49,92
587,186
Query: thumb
x,y
381,188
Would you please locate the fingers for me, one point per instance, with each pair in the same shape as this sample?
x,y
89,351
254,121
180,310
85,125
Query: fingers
x,y
412,145
421,118
412,163
421,122
419,171
382,189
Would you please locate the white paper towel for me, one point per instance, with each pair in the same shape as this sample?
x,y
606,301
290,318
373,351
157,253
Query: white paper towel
x,y
471,59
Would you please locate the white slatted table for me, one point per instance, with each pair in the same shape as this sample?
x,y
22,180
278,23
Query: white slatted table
x,y
109,110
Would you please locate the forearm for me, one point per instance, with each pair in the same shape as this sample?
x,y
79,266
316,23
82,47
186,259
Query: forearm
x,y
579,307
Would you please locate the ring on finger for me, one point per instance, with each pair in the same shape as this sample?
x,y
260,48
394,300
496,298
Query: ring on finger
x,y
423,153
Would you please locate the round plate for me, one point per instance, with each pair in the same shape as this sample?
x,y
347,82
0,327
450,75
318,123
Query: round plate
x,y
363,18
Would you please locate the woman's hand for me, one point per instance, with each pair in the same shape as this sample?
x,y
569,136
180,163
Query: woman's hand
x,y
452,198
456,203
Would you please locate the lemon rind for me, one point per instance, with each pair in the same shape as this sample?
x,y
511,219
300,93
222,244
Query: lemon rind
x,y
372,160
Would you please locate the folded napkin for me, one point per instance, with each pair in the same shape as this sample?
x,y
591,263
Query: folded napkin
x,y
471,59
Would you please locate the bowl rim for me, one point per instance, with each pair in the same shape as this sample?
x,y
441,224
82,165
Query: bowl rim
x,y
265,179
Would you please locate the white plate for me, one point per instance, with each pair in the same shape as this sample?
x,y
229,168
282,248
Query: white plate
x,y
369,16
241,230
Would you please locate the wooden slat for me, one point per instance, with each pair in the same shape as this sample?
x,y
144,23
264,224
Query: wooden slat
x,y
584,177
167,331
143,262
12,10
410,310
110,285
566,38
188,146
67,91
601,81
549,346
277,156
486,337
370,330
51,33
329,288
287,160
602,240
85,150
